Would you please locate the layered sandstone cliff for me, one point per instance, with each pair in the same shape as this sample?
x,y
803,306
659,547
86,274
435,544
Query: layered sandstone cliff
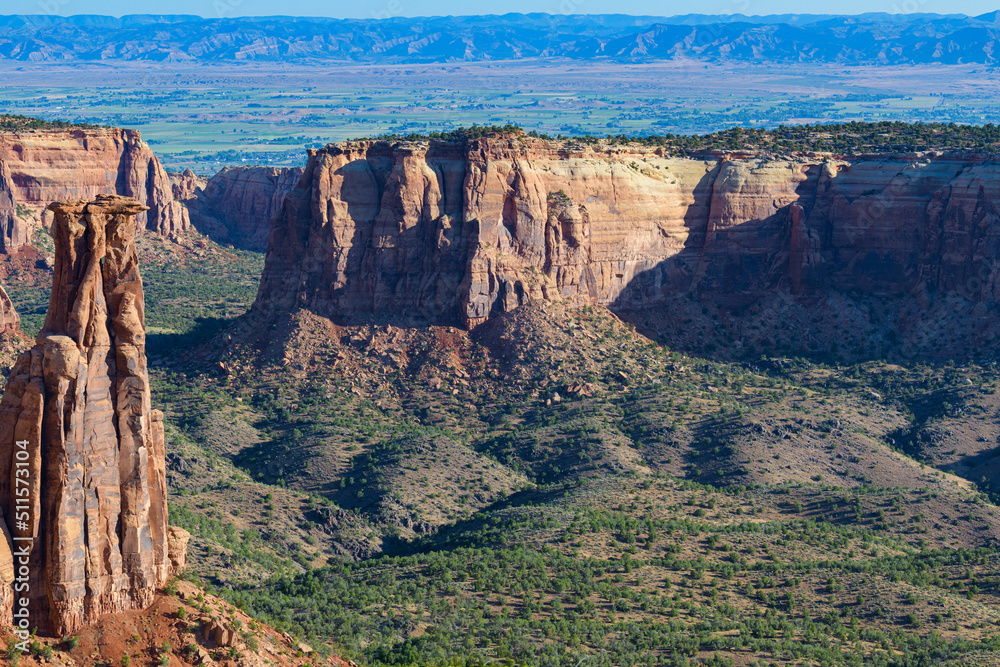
x,y
41,166
13,231
456,231
82,472
12,236
236,204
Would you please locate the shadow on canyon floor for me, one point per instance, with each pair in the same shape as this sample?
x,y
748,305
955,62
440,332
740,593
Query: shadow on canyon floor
x,y
169,344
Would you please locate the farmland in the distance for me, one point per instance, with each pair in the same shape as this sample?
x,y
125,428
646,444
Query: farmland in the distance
x,y
210,116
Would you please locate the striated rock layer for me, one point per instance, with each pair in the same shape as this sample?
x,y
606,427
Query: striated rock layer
x,y
236,204
82,471
13,231
457,231
41,166
12,236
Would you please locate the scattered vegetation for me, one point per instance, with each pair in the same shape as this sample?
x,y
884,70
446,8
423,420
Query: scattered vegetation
x,y
554,487
408,496
839,138
15,123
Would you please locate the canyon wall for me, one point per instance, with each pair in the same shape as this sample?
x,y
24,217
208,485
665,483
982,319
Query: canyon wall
x,y
12,236
236,204
13,231
453,232
82,468
41,166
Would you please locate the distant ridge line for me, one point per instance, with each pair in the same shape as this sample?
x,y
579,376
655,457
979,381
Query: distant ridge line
x,y
863,39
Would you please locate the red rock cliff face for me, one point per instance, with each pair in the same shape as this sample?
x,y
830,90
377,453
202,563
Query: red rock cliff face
x,y
186,185
13,230
454,232
58,165
82,473
13,234
237,204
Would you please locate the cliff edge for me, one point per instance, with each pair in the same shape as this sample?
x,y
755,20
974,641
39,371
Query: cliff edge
x,y
42,166
455,232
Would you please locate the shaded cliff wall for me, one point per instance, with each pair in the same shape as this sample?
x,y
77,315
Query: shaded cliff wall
x,y
236,204
59,165
13,232
12,236
454,232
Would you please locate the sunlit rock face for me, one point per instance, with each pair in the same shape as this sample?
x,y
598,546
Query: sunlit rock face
x,y
41,166
455,232
82,471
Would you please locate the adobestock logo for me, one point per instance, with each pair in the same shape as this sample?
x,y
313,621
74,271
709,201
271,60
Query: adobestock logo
x,y
47,8
226,8
392,9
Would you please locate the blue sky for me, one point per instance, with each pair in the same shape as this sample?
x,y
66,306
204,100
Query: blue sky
x,y
385,8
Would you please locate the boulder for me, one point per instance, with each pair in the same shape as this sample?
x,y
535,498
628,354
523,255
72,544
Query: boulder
x,y
177,541
219,632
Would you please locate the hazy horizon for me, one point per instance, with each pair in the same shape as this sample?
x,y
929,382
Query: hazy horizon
x,y
380,9
497,14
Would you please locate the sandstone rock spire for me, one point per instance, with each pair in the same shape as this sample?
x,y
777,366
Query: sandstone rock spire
x,y
76,415
10,321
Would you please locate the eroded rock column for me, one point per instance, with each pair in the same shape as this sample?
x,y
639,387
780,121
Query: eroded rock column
x,y
80,401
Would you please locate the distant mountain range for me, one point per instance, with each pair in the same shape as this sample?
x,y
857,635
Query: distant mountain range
x,y
866,39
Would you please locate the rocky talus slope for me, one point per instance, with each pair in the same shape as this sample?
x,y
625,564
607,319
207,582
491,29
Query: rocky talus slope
x,y
82,472
454,232
213,632
41,166
236,204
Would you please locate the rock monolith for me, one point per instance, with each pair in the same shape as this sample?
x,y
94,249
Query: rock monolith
x,y
82,470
